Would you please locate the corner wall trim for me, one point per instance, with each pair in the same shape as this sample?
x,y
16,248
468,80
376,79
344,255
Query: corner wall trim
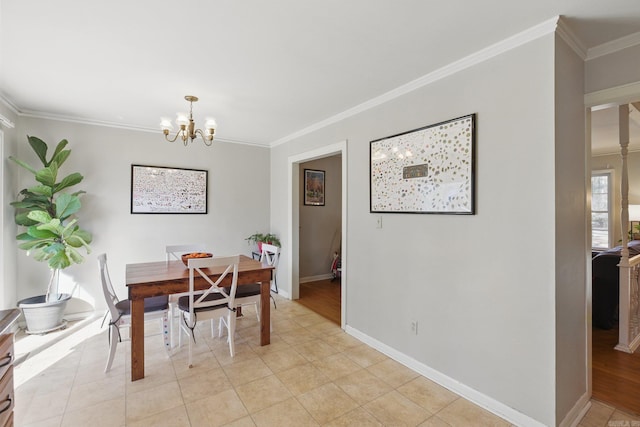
x,y
480,399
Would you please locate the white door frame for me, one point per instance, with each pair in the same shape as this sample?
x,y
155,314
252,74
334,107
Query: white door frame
x,y
293,220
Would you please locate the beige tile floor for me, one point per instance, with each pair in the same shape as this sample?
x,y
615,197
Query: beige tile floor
x,y
312,374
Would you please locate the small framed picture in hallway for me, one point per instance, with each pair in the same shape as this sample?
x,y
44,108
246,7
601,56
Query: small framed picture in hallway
x,y
313,187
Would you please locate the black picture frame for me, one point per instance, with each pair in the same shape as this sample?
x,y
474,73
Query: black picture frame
x,y
168,190
429,170
314,188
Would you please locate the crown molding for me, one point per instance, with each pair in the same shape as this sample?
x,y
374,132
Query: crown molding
x,y
6,122
564,31
83,121
526,36
613,46
10,105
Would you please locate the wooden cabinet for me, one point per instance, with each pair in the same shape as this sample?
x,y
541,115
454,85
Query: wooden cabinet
x,y
7,356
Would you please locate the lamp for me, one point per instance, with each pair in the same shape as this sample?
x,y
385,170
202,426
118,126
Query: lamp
x,y
634,216
188,131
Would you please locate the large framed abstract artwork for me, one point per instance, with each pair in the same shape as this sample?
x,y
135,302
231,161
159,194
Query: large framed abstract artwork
x,y
428,170
165,190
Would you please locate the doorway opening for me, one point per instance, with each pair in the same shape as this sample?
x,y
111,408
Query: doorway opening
x,y
311,261
614,375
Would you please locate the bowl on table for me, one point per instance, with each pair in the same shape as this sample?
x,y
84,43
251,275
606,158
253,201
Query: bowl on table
x,y
187,257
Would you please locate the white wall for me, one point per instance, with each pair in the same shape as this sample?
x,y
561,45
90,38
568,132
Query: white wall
x,y
481,287
320,226
572,248
616,69
238,202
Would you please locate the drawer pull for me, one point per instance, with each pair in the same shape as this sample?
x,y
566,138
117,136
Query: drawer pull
x,y
8,406
6,360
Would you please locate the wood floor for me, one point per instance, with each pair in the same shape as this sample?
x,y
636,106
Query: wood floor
x,y
616,375
323,297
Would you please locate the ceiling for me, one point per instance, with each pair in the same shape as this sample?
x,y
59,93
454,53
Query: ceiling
x,y
264,70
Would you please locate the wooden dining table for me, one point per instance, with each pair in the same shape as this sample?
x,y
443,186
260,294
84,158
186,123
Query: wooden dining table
x,y
150,279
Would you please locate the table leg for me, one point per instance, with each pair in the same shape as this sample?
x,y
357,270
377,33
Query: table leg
x,y
265,313
137,339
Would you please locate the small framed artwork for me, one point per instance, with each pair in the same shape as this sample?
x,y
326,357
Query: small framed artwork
x,y
165,190
313,187
427,170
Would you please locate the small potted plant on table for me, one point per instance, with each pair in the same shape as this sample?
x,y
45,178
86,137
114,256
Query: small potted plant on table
x,y
260,238
52,234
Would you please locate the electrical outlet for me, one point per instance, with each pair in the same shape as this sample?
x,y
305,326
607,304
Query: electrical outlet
x,y
414,327
379,222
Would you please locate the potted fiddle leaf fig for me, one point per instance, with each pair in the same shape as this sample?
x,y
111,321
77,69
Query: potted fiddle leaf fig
x,y
51,234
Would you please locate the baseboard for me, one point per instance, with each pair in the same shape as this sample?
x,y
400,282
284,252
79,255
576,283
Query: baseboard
x,y
480,399
284,294
316,278
579,410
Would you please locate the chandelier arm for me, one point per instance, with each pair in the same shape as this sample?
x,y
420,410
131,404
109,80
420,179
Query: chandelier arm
x,y
166,136
204,138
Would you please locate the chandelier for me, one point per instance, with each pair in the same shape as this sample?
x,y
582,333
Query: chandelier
x,y
188,132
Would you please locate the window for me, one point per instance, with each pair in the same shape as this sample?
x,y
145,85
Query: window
x,y
600,209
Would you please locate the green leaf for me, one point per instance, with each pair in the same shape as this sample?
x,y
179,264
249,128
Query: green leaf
x,y
67,205
75,256
39,233
39,216
79,239
48,175
54,248
25,204
59,260
24,236
22,218
58,155
68,181
60,158
23,164
42,190
27,246
84,235
40,148
53,226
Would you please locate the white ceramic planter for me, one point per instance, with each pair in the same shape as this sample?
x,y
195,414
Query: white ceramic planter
x,y
44,316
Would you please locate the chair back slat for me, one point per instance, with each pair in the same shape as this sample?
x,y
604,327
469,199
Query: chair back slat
x,y
197,266
270,255
107,287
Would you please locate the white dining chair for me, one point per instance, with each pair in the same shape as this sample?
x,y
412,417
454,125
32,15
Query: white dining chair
x,y
172,253
120,312
250,294
212,303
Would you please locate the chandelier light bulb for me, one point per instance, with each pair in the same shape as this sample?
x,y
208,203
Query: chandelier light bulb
x,y
210,123
182,119
165,124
